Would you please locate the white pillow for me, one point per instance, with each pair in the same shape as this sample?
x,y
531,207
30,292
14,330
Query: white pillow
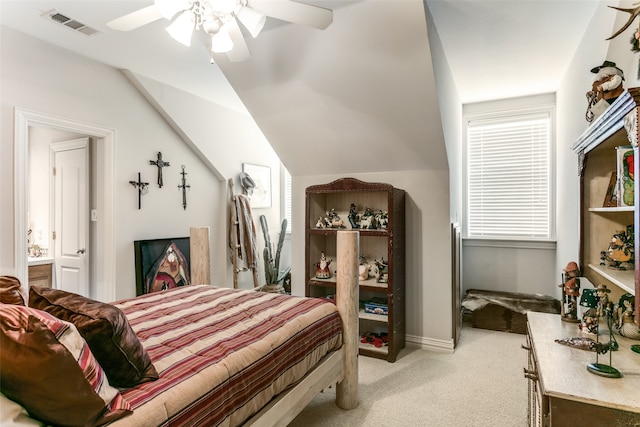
x,y
14,415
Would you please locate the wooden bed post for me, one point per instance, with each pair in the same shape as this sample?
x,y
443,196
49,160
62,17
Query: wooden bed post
x,y
199,254
347,289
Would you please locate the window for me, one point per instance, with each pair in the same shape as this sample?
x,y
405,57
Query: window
x,y
508,176
286,197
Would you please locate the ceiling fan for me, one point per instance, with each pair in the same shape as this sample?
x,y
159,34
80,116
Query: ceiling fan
x,y
218,19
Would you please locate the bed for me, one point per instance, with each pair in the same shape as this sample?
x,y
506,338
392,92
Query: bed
x,y
238,357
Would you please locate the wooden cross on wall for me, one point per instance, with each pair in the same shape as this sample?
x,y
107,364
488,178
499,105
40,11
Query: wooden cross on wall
x,y
160,164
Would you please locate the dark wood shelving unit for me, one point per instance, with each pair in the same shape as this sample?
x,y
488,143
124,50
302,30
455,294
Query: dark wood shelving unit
x,y
375,244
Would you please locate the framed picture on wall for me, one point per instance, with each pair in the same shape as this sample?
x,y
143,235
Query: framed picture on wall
x,y
161,264
261,194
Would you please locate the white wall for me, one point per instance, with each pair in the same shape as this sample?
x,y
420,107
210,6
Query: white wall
x,y
46,79
451,115
226,140
428,271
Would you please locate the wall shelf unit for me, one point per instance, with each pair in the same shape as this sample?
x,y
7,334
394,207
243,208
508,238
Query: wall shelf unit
x,y
375,244
597,160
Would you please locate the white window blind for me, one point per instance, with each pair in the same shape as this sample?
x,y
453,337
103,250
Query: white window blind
x,y
286,200
508,177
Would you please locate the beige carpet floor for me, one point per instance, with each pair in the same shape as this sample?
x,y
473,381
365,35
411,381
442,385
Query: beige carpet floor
x,y
480,384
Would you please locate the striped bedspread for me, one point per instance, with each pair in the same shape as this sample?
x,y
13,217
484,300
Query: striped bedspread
x,y
222,354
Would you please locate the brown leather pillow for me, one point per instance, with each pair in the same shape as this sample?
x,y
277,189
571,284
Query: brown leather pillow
x,y
42,370
107,331
10,291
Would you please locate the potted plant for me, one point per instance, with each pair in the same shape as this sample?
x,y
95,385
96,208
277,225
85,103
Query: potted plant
x,y
272,274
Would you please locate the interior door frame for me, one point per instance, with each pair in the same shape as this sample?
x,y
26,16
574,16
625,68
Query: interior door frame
x,y
105,272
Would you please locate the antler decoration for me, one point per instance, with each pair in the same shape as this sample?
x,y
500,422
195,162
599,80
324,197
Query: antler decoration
x,y
633,12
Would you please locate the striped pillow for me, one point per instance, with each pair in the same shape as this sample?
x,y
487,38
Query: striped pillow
x,y
48,368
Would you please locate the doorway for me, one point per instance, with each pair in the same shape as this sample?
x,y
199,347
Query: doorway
x,y
71,235
59,184
104,273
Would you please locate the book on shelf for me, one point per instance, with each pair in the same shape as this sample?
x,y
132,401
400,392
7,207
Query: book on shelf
x,y
625,163
611,197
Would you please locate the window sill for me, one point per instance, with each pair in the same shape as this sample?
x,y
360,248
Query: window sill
x,y
503,243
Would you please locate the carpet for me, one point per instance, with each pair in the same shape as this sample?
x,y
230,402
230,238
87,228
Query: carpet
x,y
480,384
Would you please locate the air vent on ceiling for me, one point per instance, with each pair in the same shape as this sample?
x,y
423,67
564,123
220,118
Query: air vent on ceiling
x,y
70,23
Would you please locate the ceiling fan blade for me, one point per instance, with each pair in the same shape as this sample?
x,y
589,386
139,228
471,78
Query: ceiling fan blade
x,y
240,51
136,19
291,11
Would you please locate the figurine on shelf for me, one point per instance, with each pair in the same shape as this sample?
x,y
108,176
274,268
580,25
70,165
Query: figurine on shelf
x,y
570,292
353,216
374,271
333,219
607,86
620,251
625,323
322,267
383,271
367,219
363,270
320,223
382,219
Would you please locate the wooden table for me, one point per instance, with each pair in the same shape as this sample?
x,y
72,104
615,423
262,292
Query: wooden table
x,y
567,393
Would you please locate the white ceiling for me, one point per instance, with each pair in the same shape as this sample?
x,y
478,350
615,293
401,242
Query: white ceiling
x,y
506,48
366,79
494,48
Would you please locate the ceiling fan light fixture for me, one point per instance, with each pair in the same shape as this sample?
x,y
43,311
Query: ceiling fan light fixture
x,y
211,25
170,8
221,42
252,20
181,29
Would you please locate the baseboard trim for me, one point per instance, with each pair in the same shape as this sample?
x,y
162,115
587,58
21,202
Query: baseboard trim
x,y
430,344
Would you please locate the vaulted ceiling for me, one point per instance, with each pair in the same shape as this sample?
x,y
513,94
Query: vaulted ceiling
x,y
358,96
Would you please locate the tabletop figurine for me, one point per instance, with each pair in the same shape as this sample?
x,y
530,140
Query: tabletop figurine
x,y
589,320
570,292
605,307
625,322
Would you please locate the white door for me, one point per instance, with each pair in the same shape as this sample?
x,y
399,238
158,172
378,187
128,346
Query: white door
x,y
70,162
